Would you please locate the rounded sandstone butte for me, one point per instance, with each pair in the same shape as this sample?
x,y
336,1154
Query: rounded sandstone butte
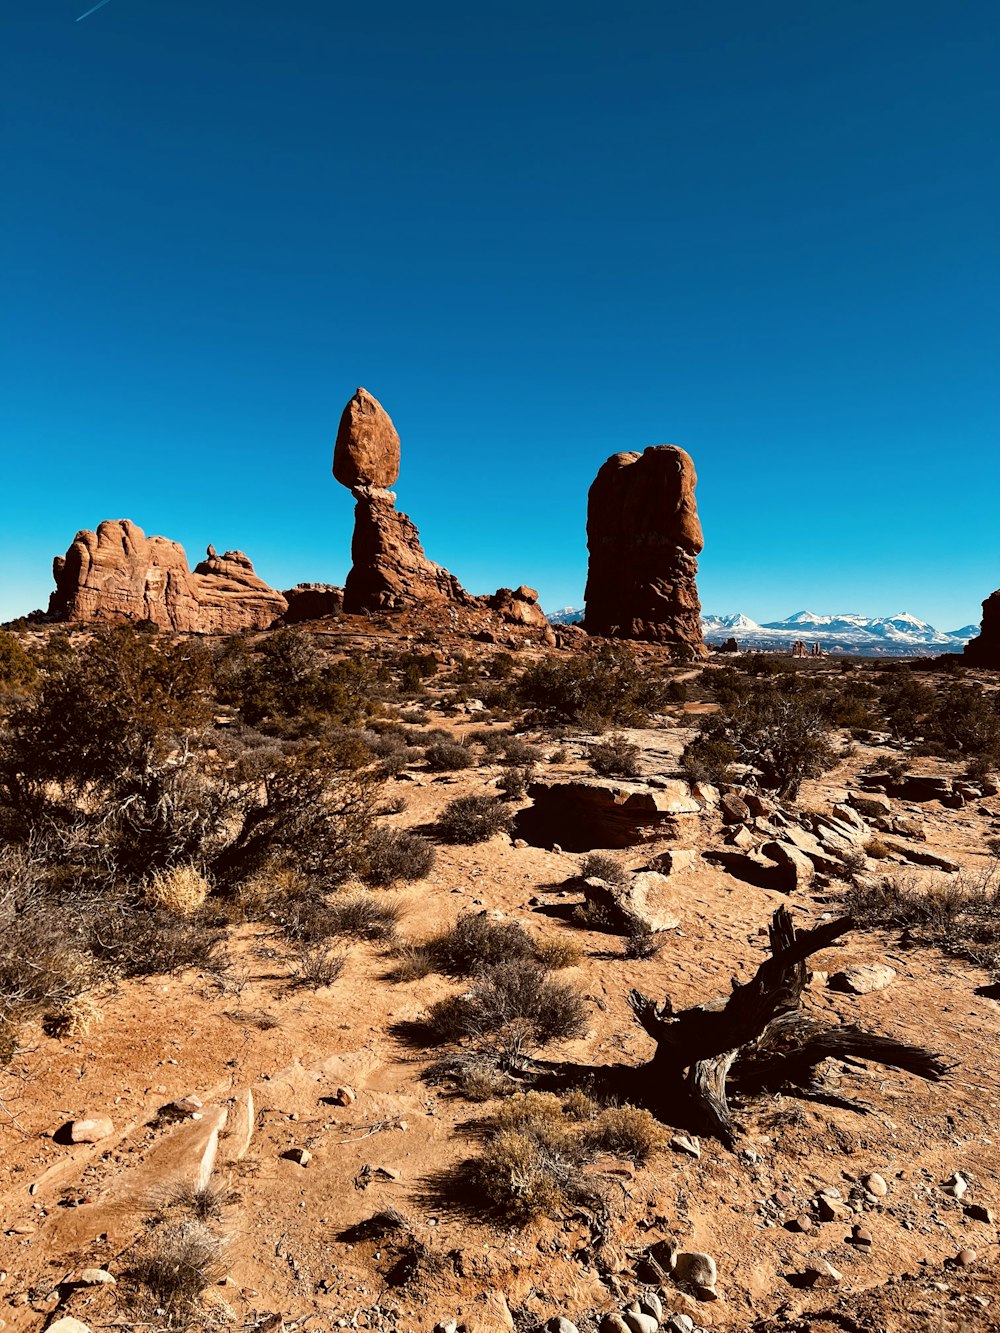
x,y
367,448
643,534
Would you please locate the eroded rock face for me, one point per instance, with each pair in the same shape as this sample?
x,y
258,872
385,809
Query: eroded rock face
x,y
312,601
367,448
389,568
644,535
118,573
985,650
519,606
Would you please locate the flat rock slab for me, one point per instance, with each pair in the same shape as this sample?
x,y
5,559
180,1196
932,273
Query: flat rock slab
x,y
863,979
583,815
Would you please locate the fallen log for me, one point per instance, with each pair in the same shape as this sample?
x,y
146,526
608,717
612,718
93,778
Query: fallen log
x,y
756,1036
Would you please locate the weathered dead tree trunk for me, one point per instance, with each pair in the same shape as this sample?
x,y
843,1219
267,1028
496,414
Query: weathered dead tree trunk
x,y
757,1036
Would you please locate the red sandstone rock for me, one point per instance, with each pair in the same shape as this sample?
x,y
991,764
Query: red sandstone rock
x,y
118,573
367,448
390,569
519,607
985,650
311,601
643,534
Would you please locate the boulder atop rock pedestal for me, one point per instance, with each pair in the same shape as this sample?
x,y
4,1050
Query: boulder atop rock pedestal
x,y
984,650
367,448
118,574
390,570
643,534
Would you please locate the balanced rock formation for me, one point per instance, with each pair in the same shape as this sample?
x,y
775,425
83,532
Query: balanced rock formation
x,y
985,650
118,573
644,535
389,568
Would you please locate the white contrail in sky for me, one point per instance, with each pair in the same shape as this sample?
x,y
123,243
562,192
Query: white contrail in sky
x,y
98,6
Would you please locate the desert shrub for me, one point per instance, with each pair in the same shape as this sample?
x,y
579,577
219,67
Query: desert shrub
x,y
876,849
513,782
177,1262
556,953
517,1004
473,1073
641,943
476,942
137,940
627,1131
316,966
965,721
778,728
615,757
204,1202
470,819
905,702
17,668
287,685
537,1149
599,865
958,914
181,890
352,912
393,856
446,756
597,689
413,960
520,753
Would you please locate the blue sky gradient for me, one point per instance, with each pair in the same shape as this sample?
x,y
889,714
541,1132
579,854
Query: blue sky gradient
x,y
540,234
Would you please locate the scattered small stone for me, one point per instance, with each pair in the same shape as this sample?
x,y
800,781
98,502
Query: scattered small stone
x,y
680,1323
640,1323
91,1130
187,1105
979,1213
863,979
447,1326
956,1186
344,1096
861,1236
698,1269
650,1303
300,1155
801,1223
22,1229
875,1184
682,1143
614,1323
68,1325
966,1258
819,1273
829,1209
560,1325
96,1277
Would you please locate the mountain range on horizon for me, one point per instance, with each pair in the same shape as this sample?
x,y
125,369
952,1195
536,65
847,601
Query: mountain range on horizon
x,y
900,635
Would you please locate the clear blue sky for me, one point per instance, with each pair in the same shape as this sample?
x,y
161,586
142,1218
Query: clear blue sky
x,y
540,233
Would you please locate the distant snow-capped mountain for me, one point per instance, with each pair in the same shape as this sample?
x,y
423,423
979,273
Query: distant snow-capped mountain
x,y
899,635
902,635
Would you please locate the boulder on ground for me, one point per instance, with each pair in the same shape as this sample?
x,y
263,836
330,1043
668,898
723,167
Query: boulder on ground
x,y
640,905
863,978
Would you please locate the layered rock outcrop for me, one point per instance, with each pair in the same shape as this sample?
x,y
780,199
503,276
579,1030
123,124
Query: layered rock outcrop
x,y
985,650
118,573
312,601
644,535
390,569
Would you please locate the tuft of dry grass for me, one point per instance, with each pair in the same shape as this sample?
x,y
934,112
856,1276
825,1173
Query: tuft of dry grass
x,y
177,1262
181,890
317,966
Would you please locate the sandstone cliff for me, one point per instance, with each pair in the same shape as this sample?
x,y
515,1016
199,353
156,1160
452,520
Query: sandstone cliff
x,y
644,535
118,573
985,650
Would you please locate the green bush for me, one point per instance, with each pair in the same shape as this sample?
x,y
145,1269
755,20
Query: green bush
x,y
596,689
616,757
